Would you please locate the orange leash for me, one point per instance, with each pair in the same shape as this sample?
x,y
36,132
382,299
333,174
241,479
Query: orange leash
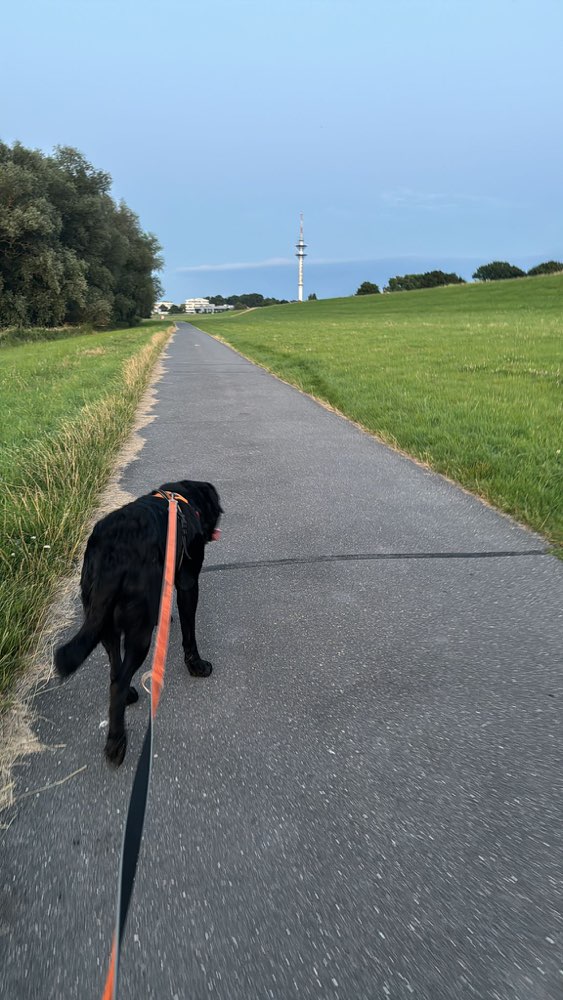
x,y
139,793
163,627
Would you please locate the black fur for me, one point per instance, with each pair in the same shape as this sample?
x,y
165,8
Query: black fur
x,y
121,584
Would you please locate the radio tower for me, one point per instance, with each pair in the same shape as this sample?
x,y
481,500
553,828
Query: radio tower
x,y
300,255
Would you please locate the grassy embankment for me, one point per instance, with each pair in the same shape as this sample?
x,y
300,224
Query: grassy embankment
x,y
67,404
467,379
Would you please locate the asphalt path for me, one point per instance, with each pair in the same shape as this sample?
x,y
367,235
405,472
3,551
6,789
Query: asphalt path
x,y
364,800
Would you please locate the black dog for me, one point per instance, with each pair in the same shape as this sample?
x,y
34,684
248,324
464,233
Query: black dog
x,y
121,584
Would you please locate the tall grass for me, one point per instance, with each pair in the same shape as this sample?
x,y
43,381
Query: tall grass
x,y
468,379
51,482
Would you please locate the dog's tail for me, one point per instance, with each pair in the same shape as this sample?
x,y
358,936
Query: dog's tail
x,y
71,654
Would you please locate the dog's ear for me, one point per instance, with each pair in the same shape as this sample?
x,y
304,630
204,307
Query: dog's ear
x,y
214,497
191,528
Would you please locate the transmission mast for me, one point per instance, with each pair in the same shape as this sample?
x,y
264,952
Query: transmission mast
x,y
300,254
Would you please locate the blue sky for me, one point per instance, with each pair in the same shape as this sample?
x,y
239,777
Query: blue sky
x,y
411,134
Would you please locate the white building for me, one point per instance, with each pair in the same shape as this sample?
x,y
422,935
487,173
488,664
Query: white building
x,y
162,307
199,306
203,306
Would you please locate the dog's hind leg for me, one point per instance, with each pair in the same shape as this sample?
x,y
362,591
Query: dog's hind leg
x,y
112,645
121,692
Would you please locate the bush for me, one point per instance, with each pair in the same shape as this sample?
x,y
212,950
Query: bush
x,y
430,279
549,267
498,270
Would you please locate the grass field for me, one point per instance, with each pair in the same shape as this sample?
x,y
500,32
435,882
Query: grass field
x,y
467,379
67,405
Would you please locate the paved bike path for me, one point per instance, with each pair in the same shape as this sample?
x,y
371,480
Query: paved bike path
x,y
364,800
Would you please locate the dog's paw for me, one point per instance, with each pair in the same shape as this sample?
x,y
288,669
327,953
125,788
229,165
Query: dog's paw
x,y
198,668
132,696
115,750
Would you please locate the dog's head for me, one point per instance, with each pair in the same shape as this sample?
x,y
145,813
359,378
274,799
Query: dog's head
x,y
204,499
207,501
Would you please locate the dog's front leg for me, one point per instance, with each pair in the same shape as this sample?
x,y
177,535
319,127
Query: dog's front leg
x,y
187,605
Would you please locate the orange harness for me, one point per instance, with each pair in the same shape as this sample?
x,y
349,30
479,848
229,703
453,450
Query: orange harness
x,y
167,496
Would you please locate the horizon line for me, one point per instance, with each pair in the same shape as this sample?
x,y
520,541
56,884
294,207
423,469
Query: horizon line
x,y
321,261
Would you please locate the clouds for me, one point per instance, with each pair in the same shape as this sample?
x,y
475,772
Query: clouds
x,y
237,266
257,265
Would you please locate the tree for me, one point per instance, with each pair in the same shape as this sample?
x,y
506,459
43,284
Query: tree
x,y
367,288
312,297
251,300
498,270
177,309
549,267
135,285
68,253
430,279
38,275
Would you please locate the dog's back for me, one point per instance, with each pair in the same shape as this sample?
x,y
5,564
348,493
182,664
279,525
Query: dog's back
x,y
120,581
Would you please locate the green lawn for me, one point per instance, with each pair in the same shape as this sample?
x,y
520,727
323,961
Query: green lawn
x,y
467,378
46,382
66,406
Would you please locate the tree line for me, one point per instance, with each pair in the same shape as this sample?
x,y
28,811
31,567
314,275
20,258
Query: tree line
x,y
500,270
69,254
251,300
497,270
